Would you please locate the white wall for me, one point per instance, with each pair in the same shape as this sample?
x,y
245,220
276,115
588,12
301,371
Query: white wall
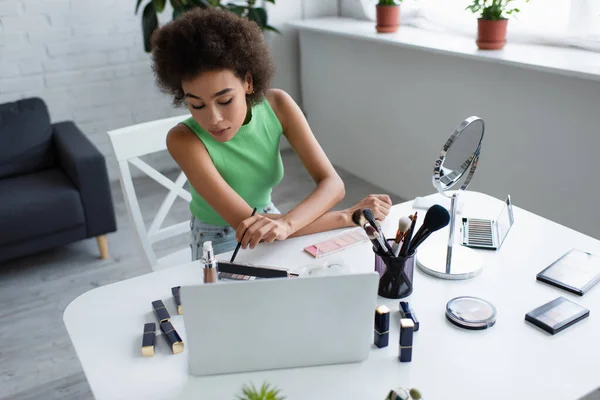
x,y
386,112
85,58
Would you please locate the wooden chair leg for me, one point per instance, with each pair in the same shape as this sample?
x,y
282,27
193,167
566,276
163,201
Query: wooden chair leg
x,y
103,246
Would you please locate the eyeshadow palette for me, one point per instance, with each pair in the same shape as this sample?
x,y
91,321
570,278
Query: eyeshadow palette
x,y
228,276
557,315
576,271
337,243
246,272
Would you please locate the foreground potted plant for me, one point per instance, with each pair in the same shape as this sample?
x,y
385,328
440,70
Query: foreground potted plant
x,y
266,392
493,21
388,15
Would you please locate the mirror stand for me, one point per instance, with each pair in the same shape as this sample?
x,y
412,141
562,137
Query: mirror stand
x,y
459,156
458,262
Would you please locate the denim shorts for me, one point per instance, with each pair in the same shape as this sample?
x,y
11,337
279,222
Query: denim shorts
x,y
222,237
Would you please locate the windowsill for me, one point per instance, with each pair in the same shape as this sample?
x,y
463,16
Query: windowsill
x,y
562,61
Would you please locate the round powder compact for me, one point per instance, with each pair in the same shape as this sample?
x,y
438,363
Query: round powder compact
x,y
471,313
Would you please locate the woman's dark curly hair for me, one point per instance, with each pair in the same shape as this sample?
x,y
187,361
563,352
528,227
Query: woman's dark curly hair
x,y
207,40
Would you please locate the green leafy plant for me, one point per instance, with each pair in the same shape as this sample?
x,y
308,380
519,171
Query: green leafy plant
x,y
494,10
155,7
266,392
389,2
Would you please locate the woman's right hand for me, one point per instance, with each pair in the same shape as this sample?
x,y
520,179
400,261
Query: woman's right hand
x,y
260,228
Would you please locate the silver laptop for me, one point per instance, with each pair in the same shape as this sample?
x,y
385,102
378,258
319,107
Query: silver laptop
x,y
279,323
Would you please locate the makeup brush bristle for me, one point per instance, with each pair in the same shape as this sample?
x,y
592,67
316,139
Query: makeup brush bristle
x,y
403,224
371,232
368,213
358,218
436,218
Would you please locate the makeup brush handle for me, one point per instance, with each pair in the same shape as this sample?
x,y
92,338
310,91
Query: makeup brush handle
x,y
418,241
385,247
396,249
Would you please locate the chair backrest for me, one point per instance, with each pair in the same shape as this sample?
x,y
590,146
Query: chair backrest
x,y
129,144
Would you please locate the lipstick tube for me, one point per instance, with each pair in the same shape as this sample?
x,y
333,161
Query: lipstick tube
x,y
406,311
175,291
382,326
149,339
161,312
407,327
172,337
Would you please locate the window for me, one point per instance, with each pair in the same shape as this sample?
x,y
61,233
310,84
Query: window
x,y
553,22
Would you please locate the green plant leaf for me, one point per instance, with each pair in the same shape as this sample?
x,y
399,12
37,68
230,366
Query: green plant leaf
x,y
159,5
271,1
178,11
272,28
137,6
234,8
258,15
149,24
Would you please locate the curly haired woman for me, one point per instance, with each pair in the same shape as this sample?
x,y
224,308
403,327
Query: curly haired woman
x,y
219,66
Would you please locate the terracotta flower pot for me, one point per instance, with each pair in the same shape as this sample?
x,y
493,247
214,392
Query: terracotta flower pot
x,y
491,35
388,18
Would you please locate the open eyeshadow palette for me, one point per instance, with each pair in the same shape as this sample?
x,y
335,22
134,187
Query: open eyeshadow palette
x,y
337,243
247,272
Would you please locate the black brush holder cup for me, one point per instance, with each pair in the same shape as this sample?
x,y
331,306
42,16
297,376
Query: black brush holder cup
x,y
395,275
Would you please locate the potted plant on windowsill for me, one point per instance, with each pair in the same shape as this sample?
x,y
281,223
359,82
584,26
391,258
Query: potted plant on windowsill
x,y
493,22
388,16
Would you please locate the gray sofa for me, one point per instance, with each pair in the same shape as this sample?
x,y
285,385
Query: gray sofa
x,y
54,187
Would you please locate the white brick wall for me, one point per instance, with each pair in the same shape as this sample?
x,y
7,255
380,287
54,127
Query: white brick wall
x,y
85,59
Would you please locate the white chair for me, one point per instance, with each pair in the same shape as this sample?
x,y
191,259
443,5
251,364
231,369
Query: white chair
x,y
129,144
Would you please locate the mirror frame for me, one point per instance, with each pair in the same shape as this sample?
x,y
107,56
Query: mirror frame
x,y
472,161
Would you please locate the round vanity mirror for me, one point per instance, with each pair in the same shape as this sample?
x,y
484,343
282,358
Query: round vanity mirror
x,y
457,162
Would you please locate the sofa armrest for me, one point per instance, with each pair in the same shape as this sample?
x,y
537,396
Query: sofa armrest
x,y
86,167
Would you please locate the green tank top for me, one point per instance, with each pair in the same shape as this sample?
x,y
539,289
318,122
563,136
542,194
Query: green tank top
x,y
250,162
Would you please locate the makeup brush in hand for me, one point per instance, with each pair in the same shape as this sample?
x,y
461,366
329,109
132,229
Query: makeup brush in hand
x,y
436,218
368,214
403,226
359,219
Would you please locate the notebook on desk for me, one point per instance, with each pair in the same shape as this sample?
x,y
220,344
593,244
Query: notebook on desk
x,y
279,323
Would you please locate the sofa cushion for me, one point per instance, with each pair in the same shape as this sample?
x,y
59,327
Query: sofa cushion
x,y
38,204
25,137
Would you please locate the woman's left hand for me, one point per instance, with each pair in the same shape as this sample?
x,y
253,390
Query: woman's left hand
x,y
262,229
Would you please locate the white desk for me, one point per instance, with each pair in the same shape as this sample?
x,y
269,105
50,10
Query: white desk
x,y
513,359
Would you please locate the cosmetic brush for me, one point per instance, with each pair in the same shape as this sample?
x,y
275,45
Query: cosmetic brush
x,y
408,236
374,238
237,248
359,219
403,225
368,214
436,218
